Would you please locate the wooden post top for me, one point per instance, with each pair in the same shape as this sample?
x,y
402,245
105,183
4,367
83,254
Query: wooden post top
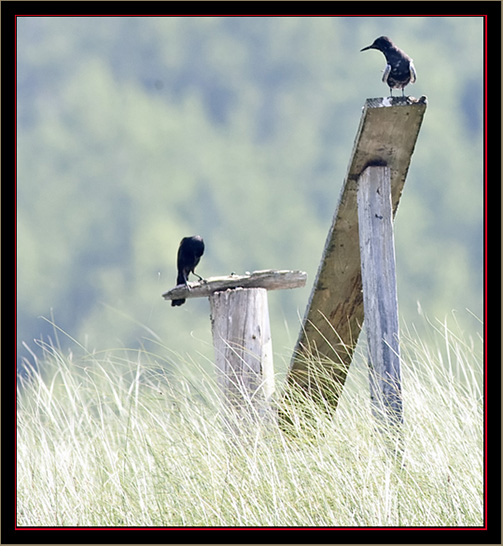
x,y
270,279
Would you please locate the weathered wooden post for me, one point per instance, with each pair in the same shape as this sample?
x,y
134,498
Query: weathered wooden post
x,y
345,283
242,338
380,301
243,352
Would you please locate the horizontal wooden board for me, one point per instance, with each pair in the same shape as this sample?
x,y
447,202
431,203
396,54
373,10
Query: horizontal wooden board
x,y
270,279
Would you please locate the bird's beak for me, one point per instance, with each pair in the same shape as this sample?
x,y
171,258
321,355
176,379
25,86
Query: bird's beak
x,y
365,48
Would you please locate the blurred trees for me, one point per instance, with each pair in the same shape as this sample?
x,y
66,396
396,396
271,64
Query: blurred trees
x,y
135,132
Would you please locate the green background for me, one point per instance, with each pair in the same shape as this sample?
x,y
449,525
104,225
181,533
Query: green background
x,y
134,132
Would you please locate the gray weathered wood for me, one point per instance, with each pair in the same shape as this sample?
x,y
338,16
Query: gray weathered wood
x,y
334,316
269,279
242,337
243,349
380,301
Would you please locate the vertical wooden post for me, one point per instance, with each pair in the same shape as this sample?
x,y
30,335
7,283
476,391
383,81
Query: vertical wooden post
x,y
377,254
387,135
243,350
242,339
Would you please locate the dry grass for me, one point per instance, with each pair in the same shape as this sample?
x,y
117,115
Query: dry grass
x,y
115,440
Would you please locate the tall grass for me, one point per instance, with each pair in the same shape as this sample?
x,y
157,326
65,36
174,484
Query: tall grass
x,y
115,439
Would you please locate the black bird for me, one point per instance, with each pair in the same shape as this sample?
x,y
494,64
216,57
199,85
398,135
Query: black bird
x,y
400,70
189,253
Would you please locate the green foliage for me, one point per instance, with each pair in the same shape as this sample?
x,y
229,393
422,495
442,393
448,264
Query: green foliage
x,y
115,439
135,132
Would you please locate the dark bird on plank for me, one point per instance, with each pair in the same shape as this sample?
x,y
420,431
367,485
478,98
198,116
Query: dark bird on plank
x,y
399,71
189,253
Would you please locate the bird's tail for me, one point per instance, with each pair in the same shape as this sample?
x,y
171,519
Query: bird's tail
x,y
181,279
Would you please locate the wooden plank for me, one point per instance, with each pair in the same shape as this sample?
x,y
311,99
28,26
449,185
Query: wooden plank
x,y
386,135
380,301
270,279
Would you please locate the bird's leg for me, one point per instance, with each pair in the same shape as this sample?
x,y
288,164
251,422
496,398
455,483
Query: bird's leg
x,y
199,277
187,285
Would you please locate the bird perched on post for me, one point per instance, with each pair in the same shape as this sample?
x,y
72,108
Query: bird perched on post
x,y
399,70
189,253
